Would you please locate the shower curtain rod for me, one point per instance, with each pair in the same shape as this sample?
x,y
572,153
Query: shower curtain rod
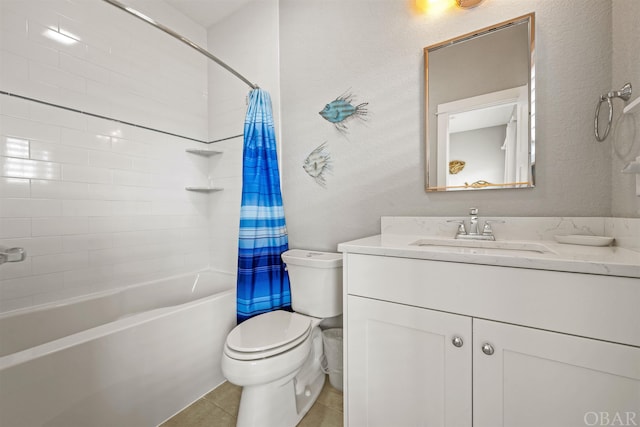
x,y
183,39
99,116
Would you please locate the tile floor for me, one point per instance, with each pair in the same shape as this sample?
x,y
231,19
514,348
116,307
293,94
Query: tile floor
x,y
219,408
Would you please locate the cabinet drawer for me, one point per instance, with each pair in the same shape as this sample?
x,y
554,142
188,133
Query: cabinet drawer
x,y
601,307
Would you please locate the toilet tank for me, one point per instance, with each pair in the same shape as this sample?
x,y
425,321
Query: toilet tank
x,y
316,282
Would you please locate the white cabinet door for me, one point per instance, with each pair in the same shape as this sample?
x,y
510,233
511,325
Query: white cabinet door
x,y
539,378
403,368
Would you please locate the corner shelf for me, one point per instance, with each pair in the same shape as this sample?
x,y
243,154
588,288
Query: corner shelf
x,y
207,153
204,189
632,167
203,151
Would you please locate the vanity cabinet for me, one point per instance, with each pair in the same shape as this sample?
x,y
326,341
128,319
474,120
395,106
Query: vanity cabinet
x,y
404,369
432,343
538,378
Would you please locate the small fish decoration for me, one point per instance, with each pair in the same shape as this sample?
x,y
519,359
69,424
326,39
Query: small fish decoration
x,y
341,109
318,164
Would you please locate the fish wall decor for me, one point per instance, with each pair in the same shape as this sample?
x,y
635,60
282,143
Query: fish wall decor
x,y
318,163
342,109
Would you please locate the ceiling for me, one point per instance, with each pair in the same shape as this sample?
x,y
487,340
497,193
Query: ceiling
x,y
480,118
207,12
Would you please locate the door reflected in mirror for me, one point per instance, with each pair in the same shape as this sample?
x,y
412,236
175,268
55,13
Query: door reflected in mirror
x,y
480,109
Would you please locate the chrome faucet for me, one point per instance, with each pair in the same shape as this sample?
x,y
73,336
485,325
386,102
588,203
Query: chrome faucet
x,y
473,221
474,226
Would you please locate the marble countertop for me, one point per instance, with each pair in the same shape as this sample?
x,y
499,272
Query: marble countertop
x,y
607,260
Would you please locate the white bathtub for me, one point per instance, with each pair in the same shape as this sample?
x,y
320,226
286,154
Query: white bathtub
x,y
131,357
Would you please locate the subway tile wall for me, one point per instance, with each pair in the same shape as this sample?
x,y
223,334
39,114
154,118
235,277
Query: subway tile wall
x,y
98,204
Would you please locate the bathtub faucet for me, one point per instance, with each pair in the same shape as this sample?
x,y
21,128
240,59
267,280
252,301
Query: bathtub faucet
x,y
12,254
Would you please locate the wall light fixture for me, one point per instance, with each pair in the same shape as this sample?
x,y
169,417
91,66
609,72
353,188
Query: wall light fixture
x,y
466,4
437,7
434,7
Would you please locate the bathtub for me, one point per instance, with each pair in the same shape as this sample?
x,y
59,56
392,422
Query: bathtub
x,y
130,357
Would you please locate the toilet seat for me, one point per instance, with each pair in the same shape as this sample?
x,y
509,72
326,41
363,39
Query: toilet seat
x,y
267,335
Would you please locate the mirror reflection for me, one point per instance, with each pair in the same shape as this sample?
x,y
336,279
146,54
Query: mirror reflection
x,y
479,109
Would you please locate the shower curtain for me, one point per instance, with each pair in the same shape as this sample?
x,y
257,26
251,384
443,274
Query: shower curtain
x,y
510,151
263,283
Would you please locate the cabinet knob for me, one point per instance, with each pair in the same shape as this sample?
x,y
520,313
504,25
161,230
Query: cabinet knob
x,y
487,349
457,341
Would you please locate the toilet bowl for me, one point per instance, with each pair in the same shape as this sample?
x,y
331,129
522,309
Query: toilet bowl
x,y
276,356
270,396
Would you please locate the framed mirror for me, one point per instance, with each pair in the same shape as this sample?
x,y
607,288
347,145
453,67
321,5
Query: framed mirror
x,y
480,111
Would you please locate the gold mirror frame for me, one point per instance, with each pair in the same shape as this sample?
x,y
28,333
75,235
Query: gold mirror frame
x,y
435,160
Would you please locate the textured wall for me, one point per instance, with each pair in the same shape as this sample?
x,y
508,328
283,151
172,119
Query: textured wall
x,y
98,204
374,49
626,68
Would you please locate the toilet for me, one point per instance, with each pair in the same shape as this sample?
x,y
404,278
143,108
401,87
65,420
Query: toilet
x,y
276,356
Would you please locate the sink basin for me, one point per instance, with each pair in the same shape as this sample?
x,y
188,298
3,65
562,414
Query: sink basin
x,y
502,245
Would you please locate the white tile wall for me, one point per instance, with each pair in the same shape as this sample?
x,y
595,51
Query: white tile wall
x,y
98,204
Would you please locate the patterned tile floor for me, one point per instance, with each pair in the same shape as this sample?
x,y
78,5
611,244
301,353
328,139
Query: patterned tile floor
x,y
219,408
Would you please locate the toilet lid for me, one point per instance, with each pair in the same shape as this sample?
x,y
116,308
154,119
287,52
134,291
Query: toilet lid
x,y
268,331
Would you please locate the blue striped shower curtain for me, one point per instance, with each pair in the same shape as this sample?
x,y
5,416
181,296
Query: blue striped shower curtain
x,y
263,283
